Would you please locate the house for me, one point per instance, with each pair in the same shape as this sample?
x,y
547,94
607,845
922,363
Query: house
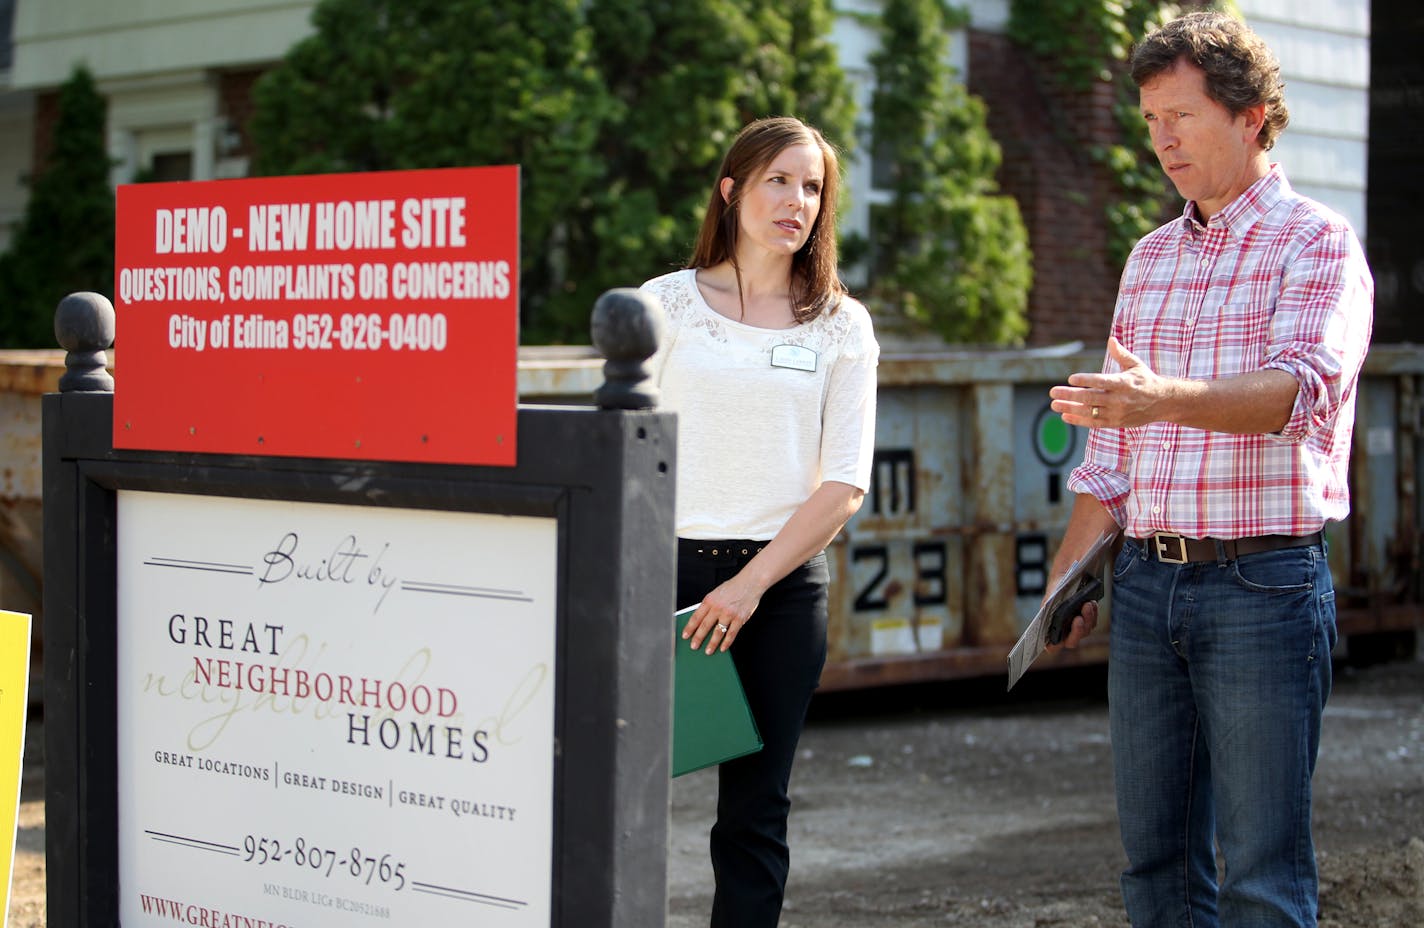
x,y
178,75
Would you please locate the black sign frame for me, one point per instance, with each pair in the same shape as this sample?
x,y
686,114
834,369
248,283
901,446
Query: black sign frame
x,y
605,475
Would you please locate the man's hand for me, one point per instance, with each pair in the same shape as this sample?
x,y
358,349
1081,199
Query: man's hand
x,y
1087,524
1254,403
1082,627
1131,397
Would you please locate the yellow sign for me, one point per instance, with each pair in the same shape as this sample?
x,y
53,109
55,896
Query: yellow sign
x,y
14,701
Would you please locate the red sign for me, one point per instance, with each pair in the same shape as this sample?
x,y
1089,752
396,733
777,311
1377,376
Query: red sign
x,y
367,316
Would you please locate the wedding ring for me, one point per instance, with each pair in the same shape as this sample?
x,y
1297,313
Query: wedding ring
x,y
722,628
1095,412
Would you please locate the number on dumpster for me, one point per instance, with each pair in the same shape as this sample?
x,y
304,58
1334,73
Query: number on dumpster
x,y
880,580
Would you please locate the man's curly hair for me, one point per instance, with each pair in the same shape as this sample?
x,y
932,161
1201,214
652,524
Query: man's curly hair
x,y
1241,71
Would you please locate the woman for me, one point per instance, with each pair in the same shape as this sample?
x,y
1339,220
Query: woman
x,y
770,366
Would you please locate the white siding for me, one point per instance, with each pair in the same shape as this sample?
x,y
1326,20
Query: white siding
x,y
988,15
1319,55
1348,17
1325,109
154,61
138,37
1324,49
147,118
1320,160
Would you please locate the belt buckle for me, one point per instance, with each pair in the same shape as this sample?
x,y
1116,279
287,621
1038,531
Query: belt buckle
x,y
1161,549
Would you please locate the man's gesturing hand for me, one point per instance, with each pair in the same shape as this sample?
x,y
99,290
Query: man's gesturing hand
x,y
1127,398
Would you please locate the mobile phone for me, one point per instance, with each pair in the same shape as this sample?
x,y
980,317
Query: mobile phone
x,y
1090,589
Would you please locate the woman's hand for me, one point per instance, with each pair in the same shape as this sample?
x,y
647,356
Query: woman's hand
x,y
722,614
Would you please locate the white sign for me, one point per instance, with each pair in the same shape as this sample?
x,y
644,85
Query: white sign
x,y
333,715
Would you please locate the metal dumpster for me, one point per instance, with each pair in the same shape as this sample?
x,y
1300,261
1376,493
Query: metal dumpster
x,y
945,564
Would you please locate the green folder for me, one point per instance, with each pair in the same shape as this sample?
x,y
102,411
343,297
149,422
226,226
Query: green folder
x,y
711,721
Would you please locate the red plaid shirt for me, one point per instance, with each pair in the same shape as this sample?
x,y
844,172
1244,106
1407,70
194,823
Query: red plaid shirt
x,y
1273,281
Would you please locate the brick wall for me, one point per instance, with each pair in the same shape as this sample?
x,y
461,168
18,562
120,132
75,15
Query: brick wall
x,y
235,104
1061,191
46,115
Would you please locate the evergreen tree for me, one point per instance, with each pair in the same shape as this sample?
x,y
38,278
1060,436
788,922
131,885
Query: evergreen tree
x,y
949,251
689,75
400,84
65,241
618,112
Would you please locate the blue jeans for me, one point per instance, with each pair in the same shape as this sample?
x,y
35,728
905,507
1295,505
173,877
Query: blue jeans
x,y
1217,680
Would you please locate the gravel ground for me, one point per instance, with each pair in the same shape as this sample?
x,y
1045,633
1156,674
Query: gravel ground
x,y
956,804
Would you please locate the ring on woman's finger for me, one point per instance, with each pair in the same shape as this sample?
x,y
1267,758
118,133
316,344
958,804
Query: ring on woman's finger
x,y
721,628
1095,412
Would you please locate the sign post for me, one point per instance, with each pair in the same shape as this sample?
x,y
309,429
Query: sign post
x,y
427,682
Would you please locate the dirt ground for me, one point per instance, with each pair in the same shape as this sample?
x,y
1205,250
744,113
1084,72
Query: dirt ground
x,y
955,804
958,805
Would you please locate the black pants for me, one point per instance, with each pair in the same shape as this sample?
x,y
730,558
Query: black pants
x,y
779,654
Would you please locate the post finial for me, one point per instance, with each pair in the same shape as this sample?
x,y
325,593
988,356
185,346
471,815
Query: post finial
x,y
627,327
84,327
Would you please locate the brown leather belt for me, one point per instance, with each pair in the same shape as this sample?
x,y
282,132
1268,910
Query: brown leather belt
x,y
1179,549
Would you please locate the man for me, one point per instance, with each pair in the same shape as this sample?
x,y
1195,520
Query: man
x,y
1221,435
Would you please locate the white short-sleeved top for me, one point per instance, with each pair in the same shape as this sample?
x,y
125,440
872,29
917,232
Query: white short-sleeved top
x,y
764,415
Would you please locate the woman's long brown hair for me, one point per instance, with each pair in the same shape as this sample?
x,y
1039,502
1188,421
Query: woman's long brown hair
x,y
815,279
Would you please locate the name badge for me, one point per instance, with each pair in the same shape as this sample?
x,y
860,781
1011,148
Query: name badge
x,y
795,357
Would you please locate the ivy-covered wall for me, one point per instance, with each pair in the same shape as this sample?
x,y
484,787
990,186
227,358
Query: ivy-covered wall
x,y
1082,46
1076,156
